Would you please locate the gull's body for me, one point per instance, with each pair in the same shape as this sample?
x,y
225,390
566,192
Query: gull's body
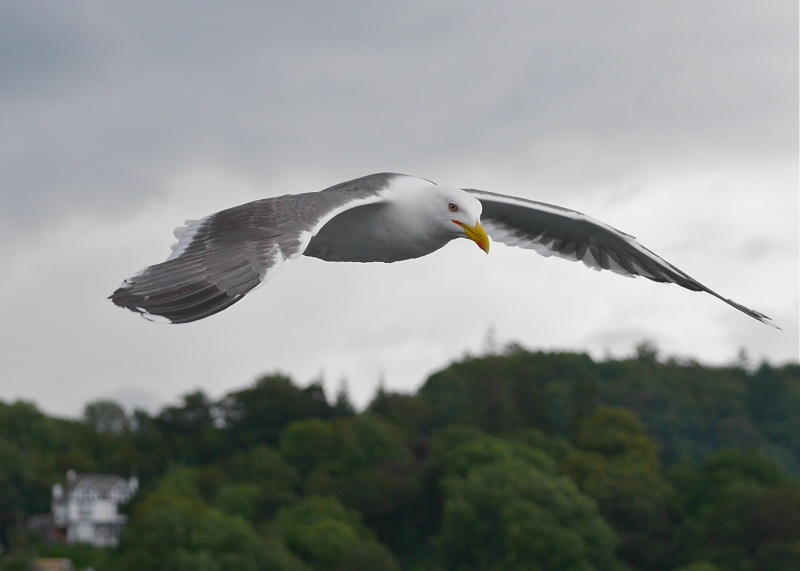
x,y
378,218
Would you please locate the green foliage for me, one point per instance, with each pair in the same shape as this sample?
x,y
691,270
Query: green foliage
x,y
617,465
741,512
506,509
82,556
182,482
263,468
169,532
365,462
367,441
327,453
327,535
306,444
241,500
501,394
189,432
460,449
258,415
693,410
773,399
172,528
408,412
618,435
24,425
106,416
29,447
516,461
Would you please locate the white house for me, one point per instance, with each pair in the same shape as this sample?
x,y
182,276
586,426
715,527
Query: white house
x,y
86,507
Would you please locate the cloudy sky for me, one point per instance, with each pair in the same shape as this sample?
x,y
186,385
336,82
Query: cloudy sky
x,y
673,121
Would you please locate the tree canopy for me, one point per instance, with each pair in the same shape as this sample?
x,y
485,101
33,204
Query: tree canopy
x,y
522,460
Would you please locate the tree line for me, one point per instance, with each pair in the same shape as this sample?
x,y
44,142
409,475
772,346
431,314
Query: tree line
x,y
511,461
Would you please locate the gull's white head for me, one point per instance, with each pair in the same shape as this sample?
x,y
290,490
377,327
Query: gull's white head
x,y
435,214
461,213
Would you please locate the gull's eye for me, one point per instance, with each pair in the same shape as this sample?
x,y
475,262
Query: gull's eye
x,y
452,206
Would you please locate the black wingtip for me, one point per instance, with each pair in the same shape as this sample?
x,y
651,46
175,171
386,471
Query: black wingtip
x,y
181,305
751,312
126,299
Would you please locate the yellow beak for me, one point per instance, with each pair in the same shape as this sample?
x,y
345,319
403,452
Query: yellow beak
x,y
477,234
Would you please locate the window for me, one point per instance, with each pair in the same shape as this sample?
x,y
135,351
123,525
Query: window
x,y
85,506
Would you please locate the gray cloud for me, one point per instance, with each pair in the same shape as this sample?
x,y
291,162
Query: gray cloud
x,y
104,100
119,120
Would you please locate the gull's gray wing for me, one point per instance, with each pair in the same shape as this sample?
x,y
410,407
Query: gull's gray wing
x,y
554,231
220,258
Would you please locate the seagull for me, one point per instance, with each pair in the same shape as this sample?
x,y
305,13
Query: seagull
x,y
384,217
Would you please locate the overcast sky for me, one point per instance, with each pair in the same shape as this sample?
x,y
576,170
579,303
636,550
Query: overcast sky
x,y
676,122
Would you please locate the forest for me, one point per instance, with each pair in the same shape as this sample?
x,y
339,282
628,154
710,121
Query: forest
x,y
512,460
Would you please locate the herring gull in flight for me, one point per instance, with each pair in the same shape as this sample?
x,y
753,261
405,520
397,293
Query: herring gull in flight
x,y
382,217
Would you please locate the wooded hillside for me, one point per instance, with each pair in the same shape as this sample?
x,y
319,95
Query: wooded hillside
x,y
520,460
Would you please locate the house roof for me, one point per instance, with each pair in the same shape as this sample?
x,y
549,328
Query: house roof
x,y
102,482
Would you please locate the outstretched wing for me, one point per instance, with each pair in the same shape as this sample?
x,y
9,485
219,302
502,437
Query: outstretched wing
x,y
555,231
220,258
